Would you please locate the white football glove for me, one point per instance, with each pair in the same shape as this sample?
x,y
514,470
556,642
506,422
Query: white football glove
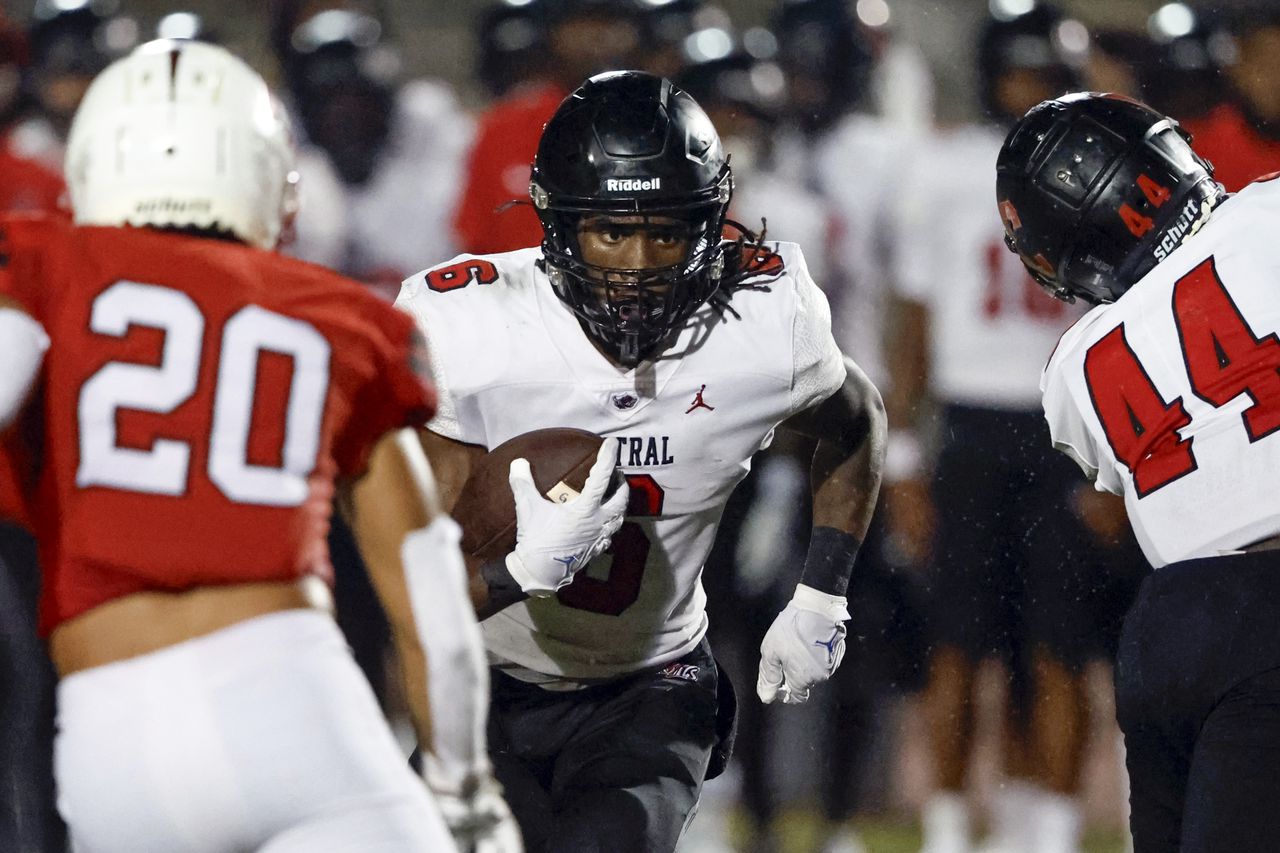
x,y
478,817
556,540
803,647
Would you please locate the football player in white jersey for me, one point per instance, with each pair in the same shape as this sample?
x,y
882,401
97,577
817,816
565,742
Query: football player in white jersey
x,y
378,165
834,141
1012,577
1167,393
382,160
636,320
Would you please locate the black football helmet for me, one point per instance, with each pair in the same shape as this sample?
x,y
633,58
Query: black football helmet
x,y
70,42
1033,37
827,59
627,143
1094,190
79,37
511,38
343,74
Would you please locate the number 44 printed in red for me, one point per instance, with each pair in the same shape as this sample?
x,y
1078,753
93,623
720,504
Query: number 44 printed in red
x,y
1223,359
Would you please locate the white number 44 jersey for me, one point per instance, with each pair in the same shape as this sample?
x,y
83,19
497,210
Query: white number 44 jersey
x,y
1171,396
510,357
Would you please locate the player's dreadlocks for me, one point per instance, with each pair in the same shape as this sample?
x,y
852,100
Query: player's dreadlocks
x,y
748,264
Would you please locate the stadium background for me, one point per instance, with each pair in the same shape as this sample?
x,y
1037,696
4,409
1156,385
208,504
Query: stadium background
x,y
438,35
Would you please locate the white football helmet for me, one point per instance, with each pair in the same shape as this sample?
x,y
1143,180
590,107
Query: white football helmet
x,y
183,134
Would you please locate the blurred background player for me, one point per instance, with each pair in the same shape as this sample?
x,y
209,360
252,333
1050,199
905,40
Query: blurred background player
x,y
1013,574
381,164
511,41
211,660
1185,75
582,37
1241,136
762,529
28,819
70,42
1118,61
25,183
824,176
832,142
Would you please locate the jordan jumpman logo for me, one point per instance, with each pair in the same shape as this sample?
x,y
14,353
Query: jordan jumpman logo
x,y
699,403
830,646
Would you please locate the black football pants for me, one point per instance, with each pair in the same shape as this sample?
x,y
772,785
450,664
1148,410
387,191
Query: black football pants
x,y
616,767
29,821
1198,699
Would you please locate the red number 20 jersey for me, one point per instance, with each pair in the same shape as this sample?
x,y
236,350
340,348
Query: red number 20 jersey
x,y
197,402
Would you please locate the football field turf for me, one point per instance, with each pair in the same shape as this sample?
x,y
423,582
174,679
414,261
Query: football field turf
x,y
886,837
796,832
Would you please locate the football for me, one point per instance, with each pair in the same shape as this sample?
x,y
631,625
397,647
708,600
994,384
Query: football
x,y
559,458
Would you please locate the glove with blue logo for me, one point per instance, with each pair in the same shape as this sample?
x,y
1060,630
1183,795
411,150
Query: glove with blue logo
x,y
556,540
803,647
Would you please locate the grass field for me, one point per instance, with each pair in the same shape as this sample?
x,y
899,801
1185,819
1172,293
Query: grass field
x,y
880,837
797,832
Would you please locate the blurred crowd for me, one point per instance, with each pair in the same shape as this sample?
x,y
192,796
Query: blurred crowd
x,y
828,114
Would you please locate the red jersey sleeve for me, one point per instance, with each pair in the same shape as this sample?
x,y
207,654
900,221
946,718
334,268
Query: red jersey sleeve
x,y
24,244
13,506
19,469
20,262
400,394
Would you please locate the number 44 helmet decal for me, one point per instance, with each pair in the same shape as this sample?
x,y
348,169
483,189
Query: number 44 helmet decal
x,y
1094,190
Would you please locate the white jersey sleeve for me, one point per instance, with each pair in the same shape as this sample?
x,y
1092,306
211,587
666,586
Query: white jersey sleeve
x,y
23,343
1068,428
818,362
473,311
445,422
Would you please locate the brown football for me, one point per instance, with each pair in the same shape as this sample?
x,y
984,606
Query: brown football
x,y
559,458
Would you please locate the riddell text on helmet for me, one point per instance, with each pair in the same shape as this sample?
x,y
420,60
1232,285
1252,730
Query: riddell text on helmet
x,y
624,185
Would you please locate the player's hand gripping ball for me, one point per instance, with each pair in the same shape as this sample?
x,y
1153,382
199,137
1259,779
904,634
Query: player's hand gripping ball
x,y
547,501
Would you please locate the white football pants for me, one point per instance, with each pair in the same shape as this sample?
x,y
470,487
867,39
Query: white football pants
x,y
263,736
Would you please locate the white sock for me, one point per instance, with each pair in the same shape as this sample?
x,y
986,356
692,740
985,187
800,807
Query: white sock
x,y
1057,823
1011,809
944,823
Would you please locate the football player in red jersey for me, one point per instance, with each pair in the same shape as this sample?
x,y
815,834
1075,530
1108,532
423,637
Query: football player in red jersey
x,y
198,401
